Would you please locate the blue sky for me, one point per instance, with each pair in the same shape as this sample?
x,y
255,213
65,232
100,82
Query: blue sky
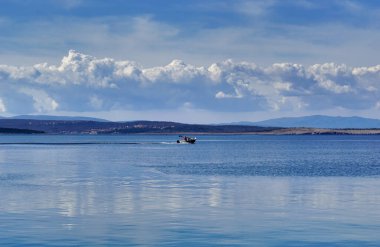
x,y
198,32
192,61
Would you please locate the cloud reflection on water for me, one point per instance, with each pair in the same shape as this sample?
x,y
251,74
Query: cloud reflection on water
x,y
92,192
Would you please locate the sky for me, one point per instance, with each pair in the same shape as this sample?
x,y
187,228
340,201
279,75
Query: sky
x,y
190,61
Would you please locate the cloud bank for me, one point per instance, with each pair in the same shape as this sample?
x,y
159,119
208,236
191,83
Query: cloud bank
x,y
83,83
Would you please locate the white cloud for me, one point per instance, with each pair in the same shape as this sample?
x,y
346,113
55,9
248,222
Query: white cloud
x,y
177,71
2,106
42,101
222,95
96,102
86,83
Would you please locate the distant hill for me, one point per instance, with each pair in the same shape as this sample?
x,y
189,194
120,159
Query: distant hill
x,y
319,121
23,126
19,131
48,117
96,127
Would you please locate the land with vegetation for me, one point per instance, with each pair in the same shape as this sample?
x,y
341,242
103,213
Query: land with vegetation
x,y
32,126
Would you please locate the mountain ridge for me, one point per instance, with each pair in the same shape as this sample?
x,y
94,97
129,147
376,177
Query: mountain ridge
x,y
318,121
57,118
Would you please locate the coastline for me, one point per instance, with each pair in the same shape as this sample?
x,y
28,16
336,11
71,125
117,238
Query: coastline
x,y
286,131
62,127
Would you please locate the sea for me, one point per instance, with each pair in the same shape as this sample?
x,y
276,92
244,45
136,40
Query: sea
x,y
225,190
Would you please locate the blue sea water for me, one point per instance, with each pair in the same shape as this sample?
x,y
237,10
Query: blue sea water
x,y
226,190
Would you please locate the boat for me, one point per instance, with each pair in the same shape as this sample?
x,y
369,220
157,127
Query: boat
x,y
187,139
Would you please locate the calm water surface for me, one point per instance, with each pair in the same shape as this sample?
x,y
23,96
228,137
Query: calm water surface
x,y
226,190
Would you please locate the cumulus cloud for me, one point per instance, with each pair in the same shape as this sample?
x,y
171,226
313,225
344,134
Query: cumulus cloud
x,y
86,83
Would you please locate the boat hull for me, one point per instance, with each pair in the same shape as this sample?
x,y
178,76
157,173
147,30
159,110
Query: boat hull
x,y
188,140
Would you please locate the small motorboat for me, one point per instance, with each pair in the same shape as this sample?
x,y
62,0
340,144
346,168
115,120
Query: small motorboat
x,y
187,139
